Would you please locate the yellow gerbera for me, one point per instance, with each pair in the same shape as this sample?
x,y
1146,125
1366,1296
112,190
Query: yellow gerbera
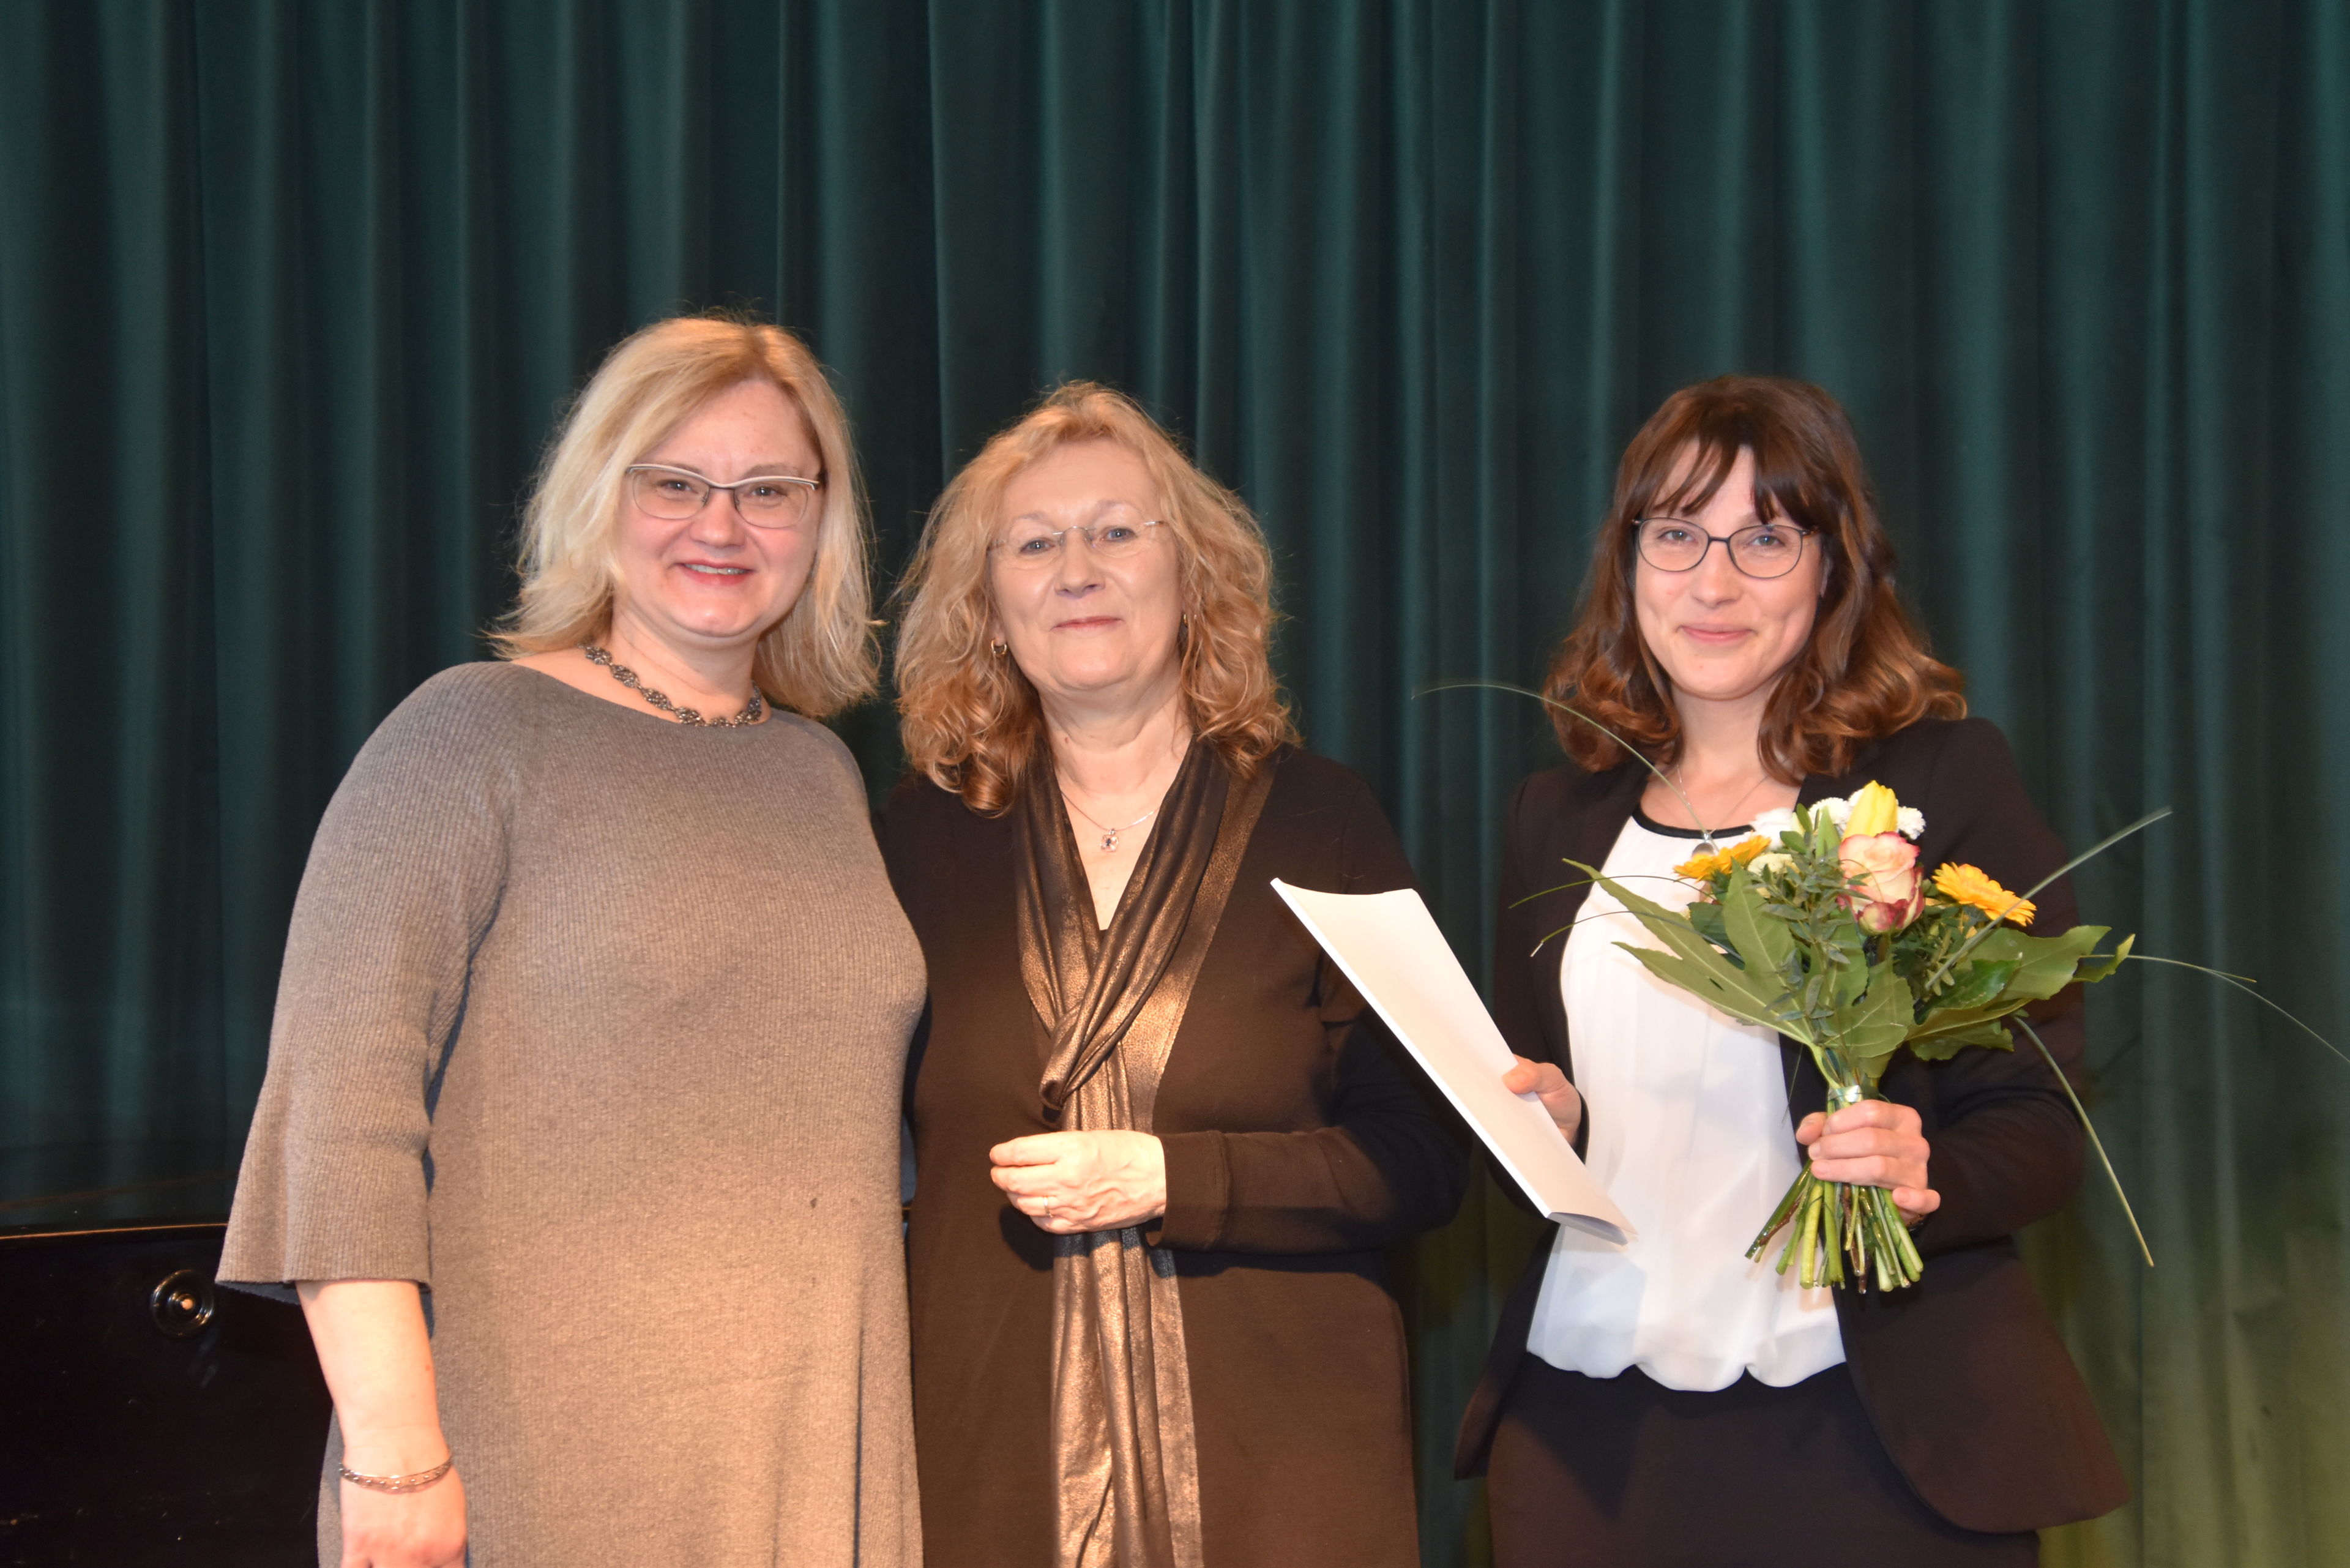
x,y
1965,885
1707,865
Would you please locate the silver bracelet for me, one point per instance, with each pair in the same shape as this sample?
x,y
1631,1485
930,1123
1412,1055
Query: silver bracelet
x,y
416,1482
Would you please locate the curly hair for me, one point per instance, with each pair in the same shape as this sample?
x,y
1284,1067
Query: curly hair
x,y
1865,670
970,721
823,655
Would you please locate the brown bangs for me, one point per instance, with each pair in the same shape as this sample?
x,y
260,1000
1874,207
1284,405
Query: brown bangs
x,y
1866,671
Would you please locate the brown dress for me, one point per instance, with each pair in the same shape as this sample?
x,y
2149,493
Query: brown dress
x,y
1300,1142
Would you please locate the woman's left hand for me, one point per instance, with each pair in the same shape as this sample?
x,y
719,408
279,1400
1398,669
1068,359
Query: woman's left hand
x,y
1875,1143
1074,1181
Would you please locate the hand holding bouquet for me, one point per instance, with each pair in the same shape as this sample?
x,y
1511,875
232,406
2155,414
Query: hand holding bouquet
x,y
1824,927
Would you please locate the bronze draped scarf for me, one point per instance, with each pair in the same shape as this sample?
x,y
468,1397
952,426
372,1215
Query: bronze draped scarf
x,y
1126,1464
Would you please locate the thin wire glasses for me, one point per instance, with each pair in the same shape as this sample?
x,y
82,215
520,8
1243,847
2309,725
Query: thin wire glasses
x,y
1759,550
765,500
1031,546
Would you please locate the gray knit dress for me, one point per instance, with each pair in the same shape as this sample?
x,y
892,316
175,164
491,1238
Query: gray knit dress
x,y
595,1024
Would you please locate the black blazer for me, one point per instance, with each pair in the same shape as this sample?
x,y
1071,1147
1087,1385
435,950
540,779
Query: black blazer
x,y
1970,1388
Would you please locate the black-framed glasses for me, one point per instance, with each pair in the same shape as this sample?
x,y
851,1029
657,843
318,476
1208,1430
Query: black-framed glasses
x,y
1759,549
765,500
1115,537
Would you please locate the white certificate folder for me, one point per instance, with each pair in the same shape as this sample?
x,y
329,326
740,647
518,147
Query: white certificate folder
x,y
1389,945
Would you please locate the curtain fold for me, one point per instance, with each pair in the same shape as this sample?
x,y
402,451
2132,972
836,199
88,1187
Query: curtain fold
x,y
291,297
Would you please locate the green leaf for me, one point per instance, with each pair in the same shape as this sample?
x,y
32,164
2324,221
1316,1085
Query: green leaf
x,y
1880,1023
1944,1021
1988,1032
1707,920
1852,977
1703,969
1710,988
2045,965
1762,941
1978,983
2095,969
1668,927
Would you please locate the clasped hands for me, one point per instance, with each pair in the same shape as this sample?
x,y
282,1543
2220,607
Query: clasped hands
x,y
1875,1143
1072,1183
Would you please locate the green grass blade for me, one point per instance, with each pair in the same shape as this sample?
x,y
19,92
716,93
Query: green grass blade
x,y
2091,1128
1629,749
1603,915
1586,882
2244,985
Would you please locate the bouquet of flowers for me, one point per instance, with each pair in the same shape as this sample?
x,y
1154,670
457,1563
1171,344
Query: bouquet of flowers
x,y
1824,927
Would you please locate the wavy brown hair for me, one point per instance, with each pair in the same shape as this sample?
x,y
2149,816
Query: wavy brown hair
x,y
1865,670
969,718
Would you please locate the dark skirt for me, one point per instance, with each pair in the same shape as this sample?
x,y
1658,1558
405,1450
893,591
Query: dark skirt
x,y
1625,1471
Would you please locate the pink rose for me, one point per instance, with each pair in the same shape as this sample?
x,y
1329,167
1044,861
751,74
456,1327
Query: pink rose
x,y
1888,892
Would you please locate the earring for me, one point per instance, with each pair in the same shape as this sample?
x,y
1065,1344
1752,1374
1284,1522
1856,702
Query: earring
x,y
999,647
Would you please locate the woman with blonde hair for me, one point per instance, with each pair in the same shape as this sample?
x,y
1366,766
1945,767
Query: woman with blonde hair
x,y
579,1139
1159,1141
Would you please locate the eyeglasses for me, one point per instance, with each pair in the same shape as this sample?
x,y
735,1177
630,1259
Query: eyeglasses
x,y
1759,550
765,500
1030,547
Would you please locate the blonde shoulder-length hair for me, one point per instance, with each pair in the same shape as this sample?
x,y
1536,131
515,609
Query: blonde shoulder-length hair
x,y
822,655
969,718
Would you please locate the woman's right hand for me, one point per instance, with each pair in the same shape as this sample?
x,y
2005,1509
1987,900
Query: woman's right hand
x,y
1558,1096
403,1530
378,1359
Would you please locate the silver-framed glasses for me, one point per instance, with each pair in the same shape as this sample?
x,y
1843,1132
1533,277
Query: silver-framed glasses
x,y
763,499
1032,546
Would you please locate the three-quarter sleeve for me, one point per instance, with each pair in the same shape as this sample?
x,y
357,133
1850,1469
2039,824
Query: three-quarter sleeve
x,y
2007,1147
1392,1163
403,882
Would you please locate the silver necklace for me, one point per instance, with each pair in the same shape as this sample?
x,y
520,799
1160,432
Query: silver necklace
x,y
1109,834
1734,805
628,678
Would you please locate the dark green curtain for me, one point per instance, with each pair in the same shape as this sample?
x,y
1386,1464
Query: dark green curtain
x,y
291,295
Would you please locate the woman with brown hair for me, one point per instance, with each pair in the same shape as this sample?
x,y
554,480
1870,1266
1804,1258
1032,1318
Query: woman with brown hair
x,y
1664,1401
579,1139
1159,1141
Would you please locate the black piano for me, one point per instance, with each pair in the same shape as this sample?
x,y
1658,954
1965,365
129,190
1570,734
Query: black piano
x,y
148,1416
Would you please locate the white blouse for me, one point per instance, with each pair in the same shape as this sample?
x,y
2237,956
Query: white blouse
x,y
1690,1136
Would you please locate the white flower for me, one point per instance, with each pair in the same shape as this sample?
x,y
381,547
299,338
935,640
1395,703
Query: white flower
x,y
1770,825
1838,809
1913,822
1777,860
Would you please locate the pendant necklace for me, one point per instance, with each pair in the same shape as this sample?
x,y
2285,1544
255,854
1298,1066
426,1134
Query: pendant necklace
x,y
1734,805
1109,834
628,678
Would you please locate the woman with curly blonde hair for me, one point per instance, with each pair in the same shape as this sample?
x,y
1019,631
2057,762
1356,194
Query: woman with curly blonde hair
x,y
1159,1141
595,967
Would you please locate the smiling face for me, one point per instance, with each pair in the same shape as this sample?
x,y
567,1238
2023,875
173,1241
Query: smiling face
x,y
711,580
1721,635
1087,631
